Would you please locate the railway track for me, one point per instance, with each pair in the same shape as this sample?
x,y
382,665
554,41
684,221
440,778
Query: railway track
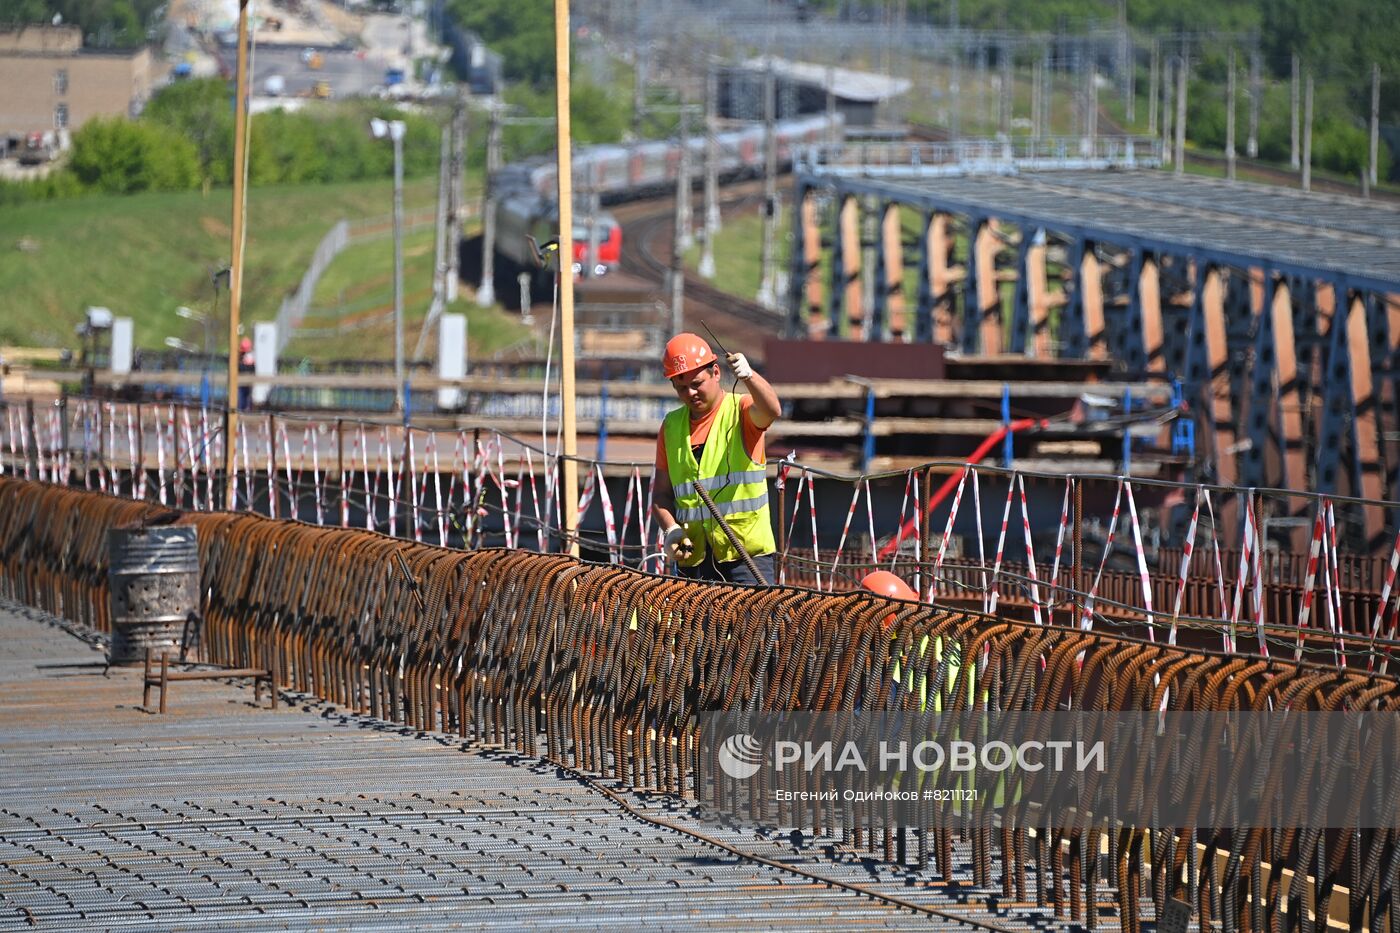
x,y
648,227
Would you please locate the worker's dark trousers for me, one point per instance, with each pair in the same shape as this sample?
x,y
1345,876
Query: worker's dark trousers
x,y
731,571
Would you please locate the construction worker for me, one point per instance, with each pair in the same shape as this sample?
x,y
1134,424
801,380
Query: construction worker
x,y
716,438
245,365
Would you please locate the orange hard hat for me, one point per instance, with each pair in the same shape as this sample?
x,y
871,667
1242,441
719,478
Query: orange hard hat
x,y
884,583
686,352
245,345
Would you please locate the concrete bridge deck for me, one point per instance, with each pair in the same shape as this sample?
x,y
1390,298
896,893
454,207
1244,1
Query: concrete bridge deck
x,y
223,815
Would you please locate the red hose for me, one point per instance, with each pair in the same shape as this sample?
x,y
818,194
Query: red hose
x,y
976,456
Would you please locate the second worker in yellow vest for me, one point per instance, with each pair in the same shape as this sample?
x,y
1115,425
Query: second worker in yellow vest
x,y
716,437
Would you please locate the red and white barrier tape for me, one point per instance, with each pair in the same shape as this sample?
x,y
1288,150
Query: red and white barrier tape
x,y
1186,555
609,518
1030,553
1086,621
1385,607
995,594
1059,549
947,531
845,528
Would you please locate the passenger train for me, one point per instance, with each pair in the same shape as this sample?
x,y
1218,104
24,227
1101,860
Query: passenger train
x,y
525,191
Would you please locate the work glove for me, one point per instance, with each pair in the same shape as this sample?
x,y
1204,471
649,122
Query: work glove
x,y
678,544
740,364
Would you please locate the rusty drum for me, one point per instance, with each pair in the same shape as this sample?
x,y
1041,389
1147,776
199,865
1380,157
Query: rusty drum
x,y
154,577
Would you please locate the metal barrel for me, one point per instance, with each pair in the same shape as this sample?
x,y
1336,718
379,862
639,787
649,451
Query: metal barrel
x,y
154,577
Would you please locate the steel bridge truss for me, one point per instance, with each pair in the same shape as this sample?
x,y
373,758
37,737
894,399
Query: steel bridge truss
x,y
1277,312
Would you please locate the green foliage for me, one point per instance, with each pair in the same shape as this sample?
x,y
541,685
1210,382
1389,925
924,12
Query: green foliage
x,y
184,139
122,24
523,33
201,110
118,156
1340,142
1338,40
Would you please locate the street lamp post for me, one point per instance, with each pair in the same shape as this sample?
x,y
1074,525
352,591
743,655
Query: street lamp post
x,y
394,129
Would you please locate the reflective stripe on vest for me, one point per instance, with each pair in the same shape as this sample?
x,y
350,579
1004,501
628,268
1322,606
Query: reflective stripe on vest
x,y
724,508
715,483
737,485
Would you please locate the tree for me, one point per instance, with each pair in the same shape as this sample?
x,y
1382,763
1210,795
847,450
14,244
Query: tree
x,y
119,156
201,110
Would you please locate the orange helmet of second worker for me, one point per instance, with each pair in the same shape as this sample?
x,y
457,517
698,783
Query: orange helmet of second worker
x,y
884,583
245,345
685,353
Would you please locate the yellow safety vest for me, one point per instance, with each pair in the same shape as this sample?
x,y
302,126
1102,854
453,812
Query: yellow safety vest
x,y
738,485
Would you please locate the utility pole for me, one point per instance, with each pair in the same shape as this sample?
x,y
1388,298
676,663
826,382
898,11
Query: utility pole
x,y
486,293
564,145
955,79
1375,121
766,296
712,219
1230,115
594,208
1180,166
1251,146
1004,111
1154,77
833,137
1037,77
1127,59
684,184
396,136
454,216
639,71
679,232
1307,134
982,81
235,280
1293,118
1168,69
1091,114
1047,93
440,224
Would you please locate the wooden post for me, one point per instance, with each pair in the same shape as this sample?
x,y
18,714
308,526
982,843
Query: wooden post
x,y
566,273
235,280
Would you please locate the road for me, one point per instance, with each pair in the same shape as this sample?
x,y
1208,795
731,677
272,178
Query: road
x,y
349,73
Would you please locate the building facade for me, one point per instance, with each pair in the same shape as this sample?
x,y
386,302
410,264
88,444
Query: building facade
x,y
49,82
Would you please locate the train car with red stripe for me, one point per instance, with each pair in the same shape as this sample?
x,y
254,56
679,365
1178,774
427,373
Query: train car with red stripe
x,y
524,191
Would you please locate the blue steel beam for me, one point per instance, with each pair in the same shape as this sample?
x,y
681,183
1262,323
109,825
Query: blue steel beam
x,y
1338,426
972,306
1074,338
1127,338
923,314
836,299
904,191
879,312
797,269
1021,300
